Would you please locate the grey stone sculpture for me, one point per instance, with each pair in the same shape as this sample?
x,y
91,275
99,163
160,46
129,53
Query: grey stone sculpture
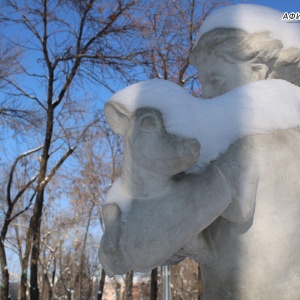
x,y
229,57
242,43
239,217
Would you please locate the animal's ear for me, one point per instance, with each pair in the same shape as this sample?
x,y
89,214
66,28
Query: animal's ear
x,y
117,117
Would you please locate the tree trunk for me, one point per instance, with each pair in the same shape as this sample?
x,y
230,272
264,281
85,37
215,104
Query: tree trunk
x,y
52,286
153,285
35,250
4,291
50,294
23,286
82,258
101,285
47,288
199,282
4,288
128,285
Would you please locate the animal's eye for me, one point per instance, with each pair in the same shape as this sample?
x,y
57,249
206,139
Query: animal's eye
x,y
148,123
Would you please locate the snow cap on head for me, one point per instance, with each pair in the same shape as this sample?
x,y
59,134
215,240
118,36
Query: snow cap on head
x,y
253,19
157,93
166,96
218,122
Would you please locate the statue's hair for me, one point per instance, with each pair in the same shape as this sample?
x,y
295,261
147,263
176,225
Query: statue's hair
x,y
236,45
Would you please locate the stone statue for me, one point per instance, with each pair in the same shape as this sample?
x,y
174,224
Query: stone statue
x,y
250,43
239,216
229,57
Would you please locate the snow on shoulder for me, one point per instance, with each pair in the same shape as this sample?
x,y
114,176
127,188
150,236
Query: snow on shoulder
x,y
256,108
253,19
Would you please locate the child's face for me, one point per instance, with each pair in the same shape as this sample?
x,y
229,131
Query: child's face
x,y
218,76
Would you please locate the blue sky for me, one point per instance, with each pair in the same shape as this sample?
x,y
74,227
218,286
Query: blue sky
x,y
283,5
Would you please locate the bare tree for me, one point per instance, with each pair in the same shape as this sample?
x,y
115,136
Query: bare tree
x,y
101,285
170,29
99,164
10,202
153,285
76,256
128,286
14,115
71,43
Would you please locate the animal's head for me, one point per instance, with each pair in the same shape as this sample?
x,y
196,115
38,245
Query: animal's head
x,y
148,144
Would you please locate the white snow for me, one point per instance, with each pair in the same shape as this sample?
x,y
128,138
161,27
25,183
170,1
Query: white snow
x,y
253,18
118,194
256,108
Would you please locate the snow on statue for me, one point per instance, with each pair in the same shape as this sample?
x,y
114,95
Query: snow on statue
x,y
216,180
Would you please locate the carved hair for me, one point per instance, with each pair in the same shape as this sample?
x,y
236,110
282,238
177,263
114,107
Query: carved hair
x,y
236,45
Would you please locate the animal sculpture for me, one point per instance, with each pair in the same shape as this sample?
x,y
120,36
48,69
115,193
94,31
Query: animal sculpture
x,y
238,217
